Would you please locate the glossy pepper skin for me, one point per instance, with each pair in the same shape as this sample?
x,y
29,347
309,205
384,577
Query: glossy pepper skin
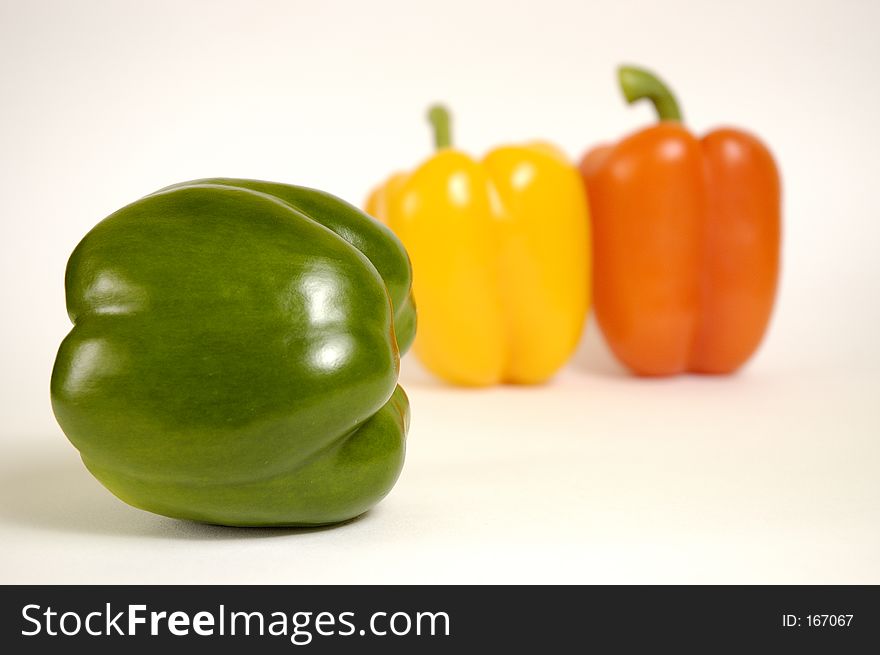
x,y
235,353
500,251
686,241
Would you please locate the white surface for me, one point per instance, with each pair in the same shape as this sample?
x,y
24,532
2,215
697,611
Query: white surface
x,y
768,476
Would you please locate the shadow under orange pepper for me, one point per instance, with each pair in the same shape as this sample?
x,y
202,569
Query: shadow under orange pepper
x,y
686,237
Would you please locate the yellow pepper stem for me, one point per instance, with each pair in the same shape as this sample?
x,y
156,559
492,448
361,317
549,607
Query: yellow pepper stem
x,y
441,121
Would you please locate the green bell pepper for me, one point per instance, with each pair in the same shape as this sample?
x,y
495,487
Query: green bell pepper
x,y
235,354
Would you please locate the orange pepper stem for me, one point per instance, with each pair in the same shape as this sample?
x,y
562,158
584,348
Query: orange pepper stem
x,y
637,83
440,120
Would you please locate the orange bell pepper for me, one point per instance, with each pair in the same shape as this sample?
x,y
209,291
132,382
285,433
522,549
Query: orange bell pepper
x,y
500,254
686,236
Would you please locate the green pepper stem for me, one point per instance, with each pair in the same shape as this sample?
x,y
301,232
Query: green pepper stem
x,y
637,83
440,120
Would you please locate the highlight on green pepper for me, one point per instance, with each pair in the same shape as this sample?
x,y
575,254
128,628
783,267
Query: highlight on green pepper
x,y
235,353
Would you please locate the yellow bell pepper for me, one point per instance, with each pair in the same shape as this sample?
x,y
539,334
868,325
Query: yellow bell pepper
x,y
501,259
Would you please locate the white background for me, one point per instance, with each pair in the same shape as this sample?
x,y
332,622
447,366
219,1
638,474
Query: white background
x,y
767,476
